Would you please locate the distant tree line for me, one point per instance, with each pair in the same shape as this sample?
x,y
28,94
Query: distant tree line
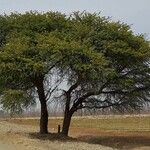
x,y
81,61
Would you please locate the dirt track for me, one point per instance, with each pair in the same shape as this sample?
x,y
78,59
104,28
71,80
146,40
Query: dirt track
x,y
16,137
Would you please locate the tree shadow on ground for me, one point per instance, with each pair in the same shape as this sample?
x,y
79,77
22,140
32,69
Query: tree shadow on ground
x,y
120,142
51,137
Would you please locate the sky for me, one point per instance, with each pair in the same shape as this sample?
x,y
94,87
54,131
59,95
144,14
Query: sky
x,y
133,12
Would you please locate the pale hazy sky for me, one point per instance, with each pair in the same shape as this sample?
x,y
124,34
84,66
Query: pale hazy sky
x,y
133,12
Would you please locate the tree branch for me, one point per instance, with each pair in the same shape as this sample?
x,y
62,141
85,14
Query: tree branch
x,y
127,92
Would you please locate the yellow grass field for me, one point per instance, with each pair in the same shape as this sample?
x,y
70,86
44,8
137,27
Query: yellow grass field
x,y
121,132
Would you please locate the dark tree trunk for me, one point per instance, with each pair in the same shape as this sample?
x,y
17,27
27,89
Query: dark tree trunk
x,y
44,118
67,116
66,124
44,112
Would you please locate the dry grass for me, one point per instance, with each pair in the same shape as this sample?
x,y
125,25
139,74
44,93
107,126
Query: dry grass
x,y
124,132
21,137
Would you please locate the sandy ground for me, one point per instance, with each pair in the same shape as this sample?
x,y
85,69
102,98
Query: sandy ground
x,y
17,137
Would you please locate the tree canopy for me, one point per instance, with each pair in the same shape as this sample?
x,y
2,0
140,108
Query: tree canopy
x,y
103,62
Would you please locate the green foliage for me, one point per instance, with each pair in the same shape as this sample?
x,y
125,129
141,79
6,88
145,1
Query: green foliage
x,y
15,101
101,54
27,53
124,71
30,46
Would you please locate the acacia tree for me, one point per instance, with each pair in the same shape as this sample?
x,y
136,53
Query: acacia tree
x,y
120,79
29,53
104,63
